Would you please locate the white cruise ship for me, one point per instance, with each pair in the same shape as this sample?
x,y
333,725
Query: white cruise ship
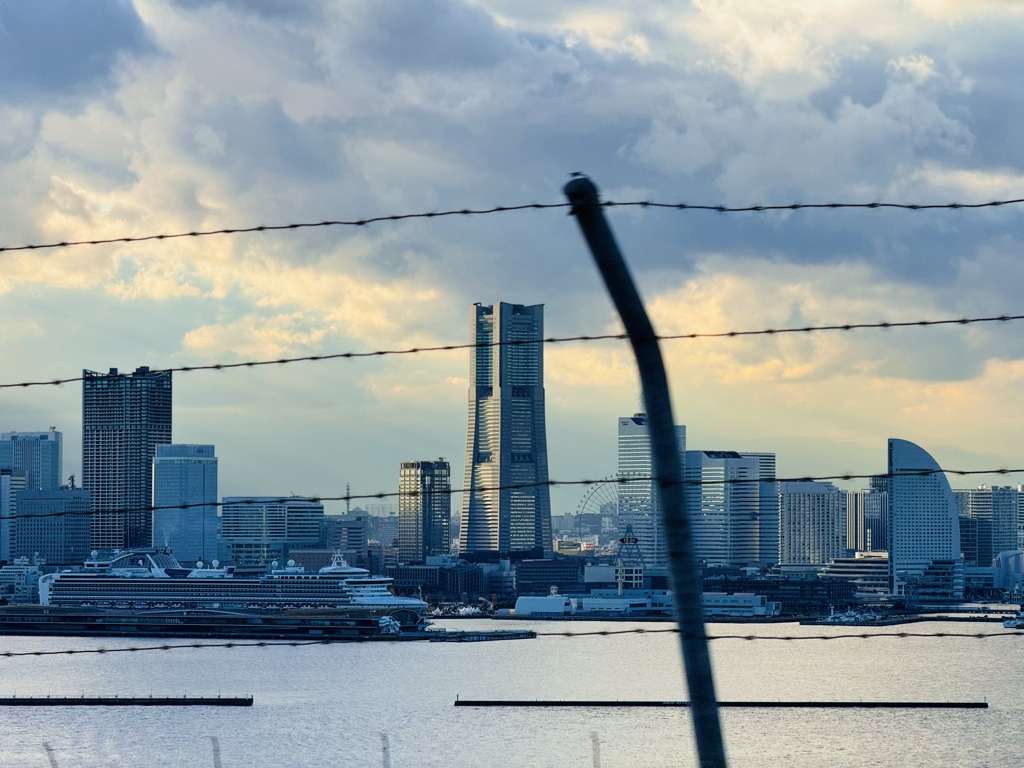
x,y
147,579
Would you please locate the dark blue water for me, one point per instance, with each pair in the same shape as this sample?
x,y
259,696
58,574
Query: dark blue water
x,y
330,705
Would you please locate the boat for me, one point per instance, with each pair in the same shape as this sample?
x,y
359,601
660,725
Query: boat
x,y
849,618
152,579
1016,622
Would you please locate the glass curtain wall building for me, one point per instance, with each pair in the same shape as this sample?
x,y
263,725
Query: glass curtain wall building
x,y
424,510
186,475
38,453
124,418
506,441
723,515
638,495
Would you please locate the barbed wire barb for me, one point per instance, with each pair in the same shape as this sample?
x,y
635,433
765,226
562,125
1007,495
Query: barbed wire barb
x,y
624,480
602,633
883,325
509,209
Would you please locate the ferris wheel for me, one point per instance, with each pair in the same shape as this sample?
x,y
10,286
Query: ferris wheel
x,y
602,498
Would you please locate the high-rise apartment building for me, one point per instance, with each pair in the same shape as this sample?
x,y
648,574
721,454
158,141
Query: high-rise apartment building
x,y
424,510
124,418
38,453
258,530
812,523
506,442
924,534
638,494
186,475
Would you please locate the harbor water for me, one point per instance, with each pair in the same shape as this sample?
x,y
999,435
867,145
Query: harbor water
x,y
338,705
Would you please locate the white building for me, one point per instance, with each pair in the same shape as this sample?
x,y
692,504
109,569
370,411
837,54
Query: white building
x,y
638,497
723,494
925,557
186,475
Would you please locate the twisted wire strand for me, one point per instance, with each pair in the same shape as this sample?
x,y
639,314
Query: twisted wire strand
x,y
883,325
567,634
509,209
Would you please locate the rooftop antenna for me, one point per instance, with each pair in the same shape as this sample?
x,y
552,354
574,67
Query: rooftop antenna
x,y
348,498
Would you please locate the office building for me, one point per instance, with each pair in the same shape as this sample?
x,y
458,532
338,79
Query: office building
x,y
12,482
638,495
724,492
812,523
767,508
867,520
424,510
38,453
52,527
124,418
924,534
260,530
186,475
347,534
995,512
506,442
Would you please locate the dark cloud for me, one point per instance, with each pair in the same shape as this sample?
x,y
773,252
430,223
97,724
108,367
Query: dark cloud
x,y
64,47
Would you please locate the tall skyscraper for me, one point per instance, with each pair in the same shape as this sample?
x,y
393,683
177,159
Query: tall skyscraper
x,y
186,475
812,523
925,558
767,508
638,498
723,513
124,418
506,442
424,510
38,453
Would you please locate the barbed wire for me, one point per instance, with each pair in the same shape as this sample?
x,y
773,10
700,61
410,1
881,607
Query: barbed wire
x,y
625,480
510,209
883,325
566,634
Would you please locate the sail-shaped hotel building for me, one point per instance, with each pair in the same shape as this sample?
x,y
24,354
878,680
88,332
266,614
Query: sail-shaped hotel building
x,y
925,560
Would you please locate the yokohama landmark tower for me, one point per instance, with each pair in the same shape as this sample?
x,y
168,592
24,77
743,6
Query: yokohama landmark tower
x,y
506,442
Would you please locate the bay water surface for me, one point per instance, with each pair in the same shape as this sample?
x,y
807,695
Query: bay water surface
x,y
335,705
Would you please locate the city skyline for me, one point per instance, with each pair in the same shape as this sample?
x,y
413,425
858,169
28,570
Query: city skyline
x,y
914,110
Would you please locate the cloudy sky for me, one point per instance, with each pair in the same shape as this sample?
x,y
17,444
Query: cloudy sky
x,y
132,118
